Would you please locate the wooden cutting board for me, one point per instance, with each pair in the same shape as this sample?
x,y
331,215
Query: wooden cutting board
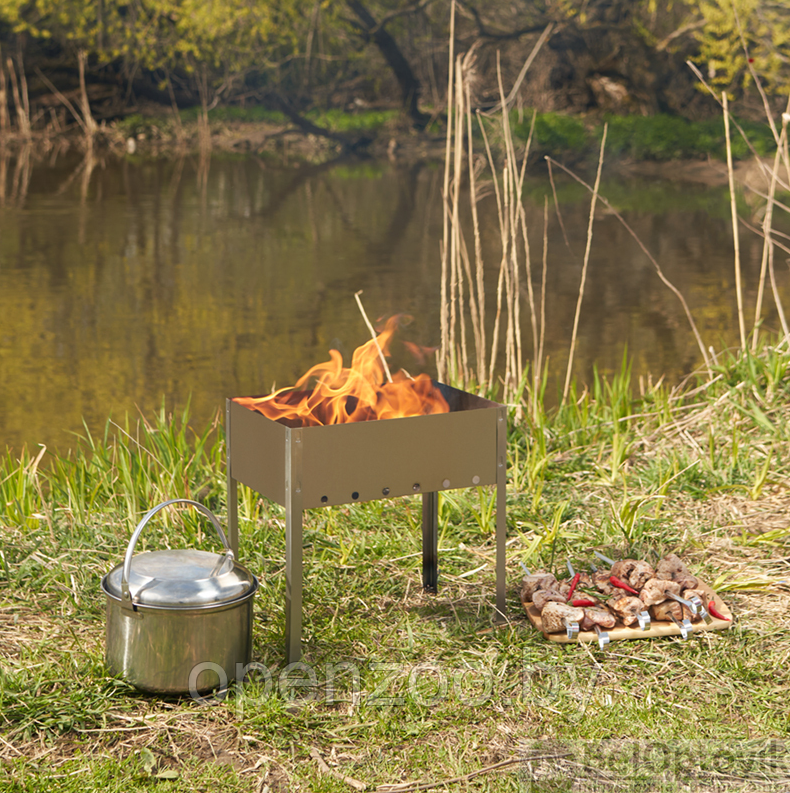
x,y
656,628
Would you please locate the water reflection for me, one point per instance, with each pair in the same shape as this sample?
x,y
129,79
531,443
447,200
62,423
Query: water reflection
x,y
123,283
14,194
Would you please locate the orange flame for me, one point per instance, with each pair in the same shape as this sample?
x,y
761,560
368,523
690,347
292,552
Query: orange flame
x,y
342,395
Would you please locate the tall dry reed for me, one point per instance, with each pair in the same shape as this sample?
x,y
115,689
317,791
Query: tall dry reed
x,y
463,290
3,98
463,294
587,249
736,242
773,176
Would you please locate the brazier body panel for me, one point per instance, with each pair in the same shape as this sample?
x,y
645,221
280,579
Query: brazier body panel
x,y
344,463
319,466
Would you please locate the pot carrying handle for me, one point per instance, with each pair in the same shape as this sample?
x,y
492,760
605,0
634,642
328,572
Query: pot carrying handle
x,y
126,598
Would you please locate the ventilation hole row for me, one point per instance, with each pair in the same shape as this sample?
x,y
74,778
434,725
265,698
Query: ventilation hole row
x,y
386,491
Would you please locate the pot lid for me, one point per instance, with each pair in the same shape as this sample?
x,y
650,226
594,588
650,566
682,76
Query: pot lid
x,y
185,578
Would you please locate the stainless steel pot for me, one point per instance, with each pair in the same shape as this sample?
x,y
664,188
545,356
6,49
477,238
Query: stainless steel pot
x,y
179,620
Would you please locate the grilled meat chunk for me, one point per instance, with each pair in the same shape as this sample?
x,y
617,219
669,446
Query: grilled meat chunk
x,y
671,568
622,568
544,596
535,581
668,566
686,581
691,592
626,608
640,575
556,616
600,580
597,616
656,591
662,611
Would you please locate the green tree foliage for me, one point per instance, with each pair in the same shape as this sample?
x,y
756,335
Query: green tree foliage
x,y
229,37
734,27
620,56
69,20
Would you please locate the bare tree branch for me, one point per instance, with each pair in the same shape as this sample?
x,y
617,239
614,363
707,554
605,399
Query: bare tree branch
x,y
483,31
511,97
412,9
664,43
388,47
307,126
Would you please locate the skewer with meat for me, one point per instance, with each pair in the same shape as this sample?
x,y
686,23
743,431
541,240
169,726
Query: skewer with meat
x,y
600,580
695,599
535,581
656,590
693,592
557,617
627,608
668,609
544,596
672,568
597,616
640,574
623,570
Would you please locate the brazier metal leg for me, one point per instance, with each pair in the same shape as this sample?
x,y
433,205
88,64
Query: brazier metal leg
x,y
293,546
501,517
233,515
430,541
233,497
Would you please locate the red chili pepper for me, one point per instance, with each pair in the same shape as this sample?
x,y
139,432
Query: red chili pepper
x,y
622,585
574,582
582,603
715,612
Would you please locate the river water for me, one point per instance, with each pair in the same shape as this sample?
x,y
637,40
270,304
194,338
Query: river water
x,y
128,284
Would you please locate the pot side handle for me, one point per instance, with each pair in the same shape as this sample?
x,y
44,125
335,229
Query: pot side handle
x,y
126,597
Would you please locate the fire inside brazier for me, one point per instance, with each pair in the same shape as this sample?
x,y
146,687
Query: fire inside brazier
x,y
361,434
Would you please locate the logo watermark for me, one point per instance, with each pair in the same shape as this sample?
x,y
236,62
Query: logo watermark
x,y
388,683
385,683
762,765
655,765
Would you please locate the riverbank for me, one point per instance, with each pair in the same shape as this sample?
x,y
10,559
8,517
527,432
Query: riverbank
x,y
637,141
441,694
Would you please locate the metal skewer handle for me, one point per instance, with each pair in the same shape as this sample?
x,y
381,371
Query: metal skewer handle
x,y
693,604
684,626
692,607
644,620
572,630
703,612
603,637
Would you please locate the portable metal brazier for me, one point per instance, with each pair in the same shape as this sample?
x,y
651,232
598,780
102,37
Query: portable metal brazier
x,y
179,621
301,467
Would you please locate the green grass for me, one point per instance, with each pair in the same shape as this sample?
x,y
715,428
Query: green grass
x,y
658,137
403,685
333,119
